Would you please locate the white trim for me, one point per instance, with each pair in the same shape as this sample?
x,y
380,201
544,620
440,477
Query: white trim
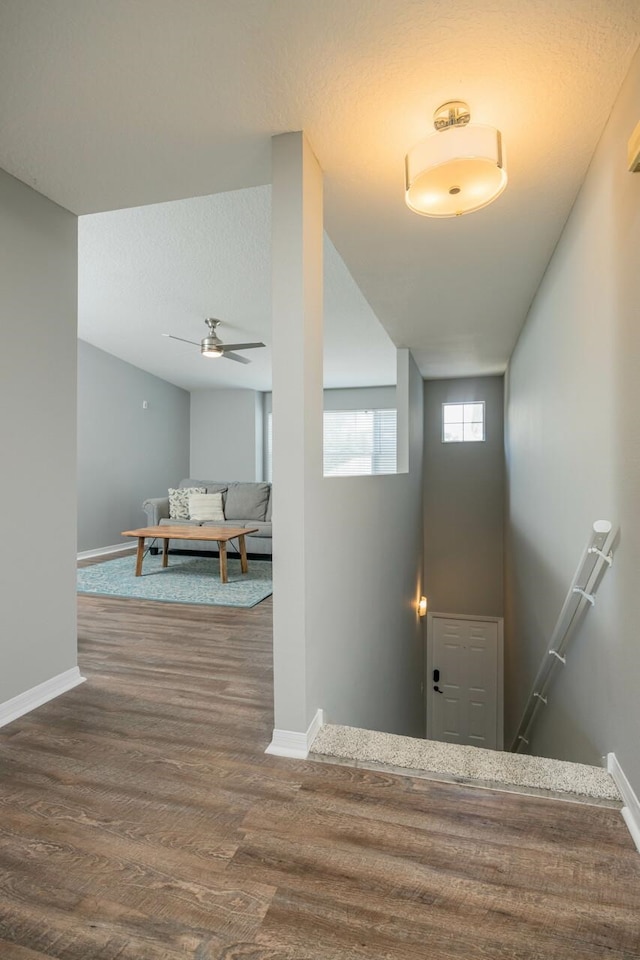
x,y
289,743
500,679
25,702
105,551
631,809
314,727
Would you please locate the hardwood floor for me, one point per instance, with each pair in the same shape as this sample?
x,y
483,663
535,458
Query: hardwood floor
x,y
141,820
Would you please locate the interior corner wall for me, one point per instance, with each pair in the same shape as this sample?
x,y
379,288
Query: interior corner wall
x,y
297,286
226,435
347,551
573,457
126,453
365,663
38,319
464,503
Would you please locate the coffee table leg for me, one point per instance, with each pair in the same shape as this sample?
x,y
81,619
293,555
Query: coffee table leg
x,y
139,556
222,547
244,566
165,552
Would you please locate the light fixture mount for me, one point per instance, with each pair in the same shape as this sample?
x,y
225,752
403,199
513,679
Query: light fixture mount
x,y
456,170
211,346
453,113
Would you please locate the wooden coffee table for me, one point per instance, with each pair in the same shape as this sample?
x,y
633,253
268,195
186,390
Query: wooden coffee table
x,y
221,534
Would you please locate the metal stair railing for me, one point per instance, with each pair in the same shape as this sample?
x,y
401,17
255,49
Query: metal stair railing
x,y
596,557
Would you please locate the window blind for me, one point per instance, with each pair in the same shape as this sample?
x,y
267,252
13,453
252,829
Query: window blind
x,y
359,442
356,443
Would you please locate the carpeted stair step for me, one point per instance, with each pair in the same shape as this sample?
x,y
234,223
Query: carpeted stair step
x,y
464,764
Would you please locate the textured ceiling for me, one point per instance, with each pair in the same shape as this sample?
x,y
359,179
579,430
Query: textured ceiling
x,y
110,105
163,268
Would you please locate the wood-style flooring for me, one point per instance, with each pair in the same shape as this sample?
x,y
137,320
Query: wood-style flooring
x,y
140,819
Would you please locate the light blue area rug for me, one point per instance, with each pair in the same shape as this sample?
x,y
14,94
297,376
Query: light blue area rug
x,y
185,580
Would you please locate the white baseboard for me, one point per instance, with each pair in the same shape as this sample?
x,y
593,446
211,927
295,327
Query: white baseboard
x,y
25,702
106,551
631,809
290,743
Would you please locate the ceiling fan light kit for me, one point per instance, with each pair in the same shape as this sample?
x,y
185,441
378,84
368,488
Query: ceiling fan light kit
x,y
212,346
458,169
209,348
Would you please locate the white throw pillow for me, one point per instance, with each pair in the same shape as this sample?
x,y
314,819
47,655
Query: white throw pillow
x,y
206,506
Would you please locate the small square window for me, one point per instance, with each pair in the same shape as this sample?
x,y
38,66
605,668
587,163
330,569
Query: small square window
x,y
452,412
473,412
453,433
462,422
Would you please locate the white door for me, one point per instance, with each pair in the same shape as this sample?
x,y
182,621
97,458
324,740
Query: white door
x,y
463,684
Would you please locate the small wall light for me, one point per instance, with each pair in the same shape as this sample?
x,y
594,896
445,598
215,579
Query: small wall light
x,y
634,151
422,606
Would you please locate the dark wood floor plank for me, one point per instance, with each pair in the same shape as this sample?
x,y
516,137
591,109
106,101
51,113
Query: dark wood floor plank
x,y
182,794
58,923
453,806
142,820
315,927
112,814
415,889
180,890
12,951
411,819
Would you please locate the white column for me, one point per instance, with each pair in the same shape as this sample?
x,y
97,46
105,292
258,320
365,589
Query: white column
x,y
297,236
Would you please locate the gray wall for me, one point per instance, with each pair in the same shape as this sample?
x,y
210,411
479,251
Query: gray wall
x,y
365,649
360,398
573,455
125,453
38,303
226,434
352,398
347,550
464,503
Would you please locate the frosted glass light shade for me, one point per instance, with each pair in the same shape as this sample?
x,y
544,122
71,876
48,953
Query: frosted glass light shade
x,y
455,171
210,350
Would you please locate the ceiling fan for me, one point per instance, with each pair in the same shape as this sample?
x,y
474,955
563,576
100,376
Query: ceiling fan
x,y
212,346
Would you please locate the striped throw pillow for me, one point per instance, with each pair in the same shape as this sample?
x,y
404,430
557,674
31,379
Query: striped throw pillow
x,y
206,506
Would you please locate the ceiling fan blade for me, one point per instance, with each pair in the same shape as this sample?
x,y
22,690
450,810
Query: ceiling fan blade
x,y
182,340
240,346
235,356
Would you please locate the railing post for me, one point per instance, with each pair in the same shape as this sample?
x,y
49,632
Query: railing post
x,y
596,557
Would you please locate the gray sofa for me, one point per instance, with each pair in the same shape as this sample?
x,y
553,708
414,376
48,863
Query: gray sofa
x,y
244,504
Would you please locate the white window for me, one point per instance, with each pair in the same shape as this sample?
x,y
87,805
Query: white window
x,y
356,443
359,442
268,450
462,422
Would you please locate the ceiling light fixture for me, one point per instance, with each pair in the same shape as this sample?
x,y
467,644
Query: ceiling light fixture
x,y
212,346
208,348
456,170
